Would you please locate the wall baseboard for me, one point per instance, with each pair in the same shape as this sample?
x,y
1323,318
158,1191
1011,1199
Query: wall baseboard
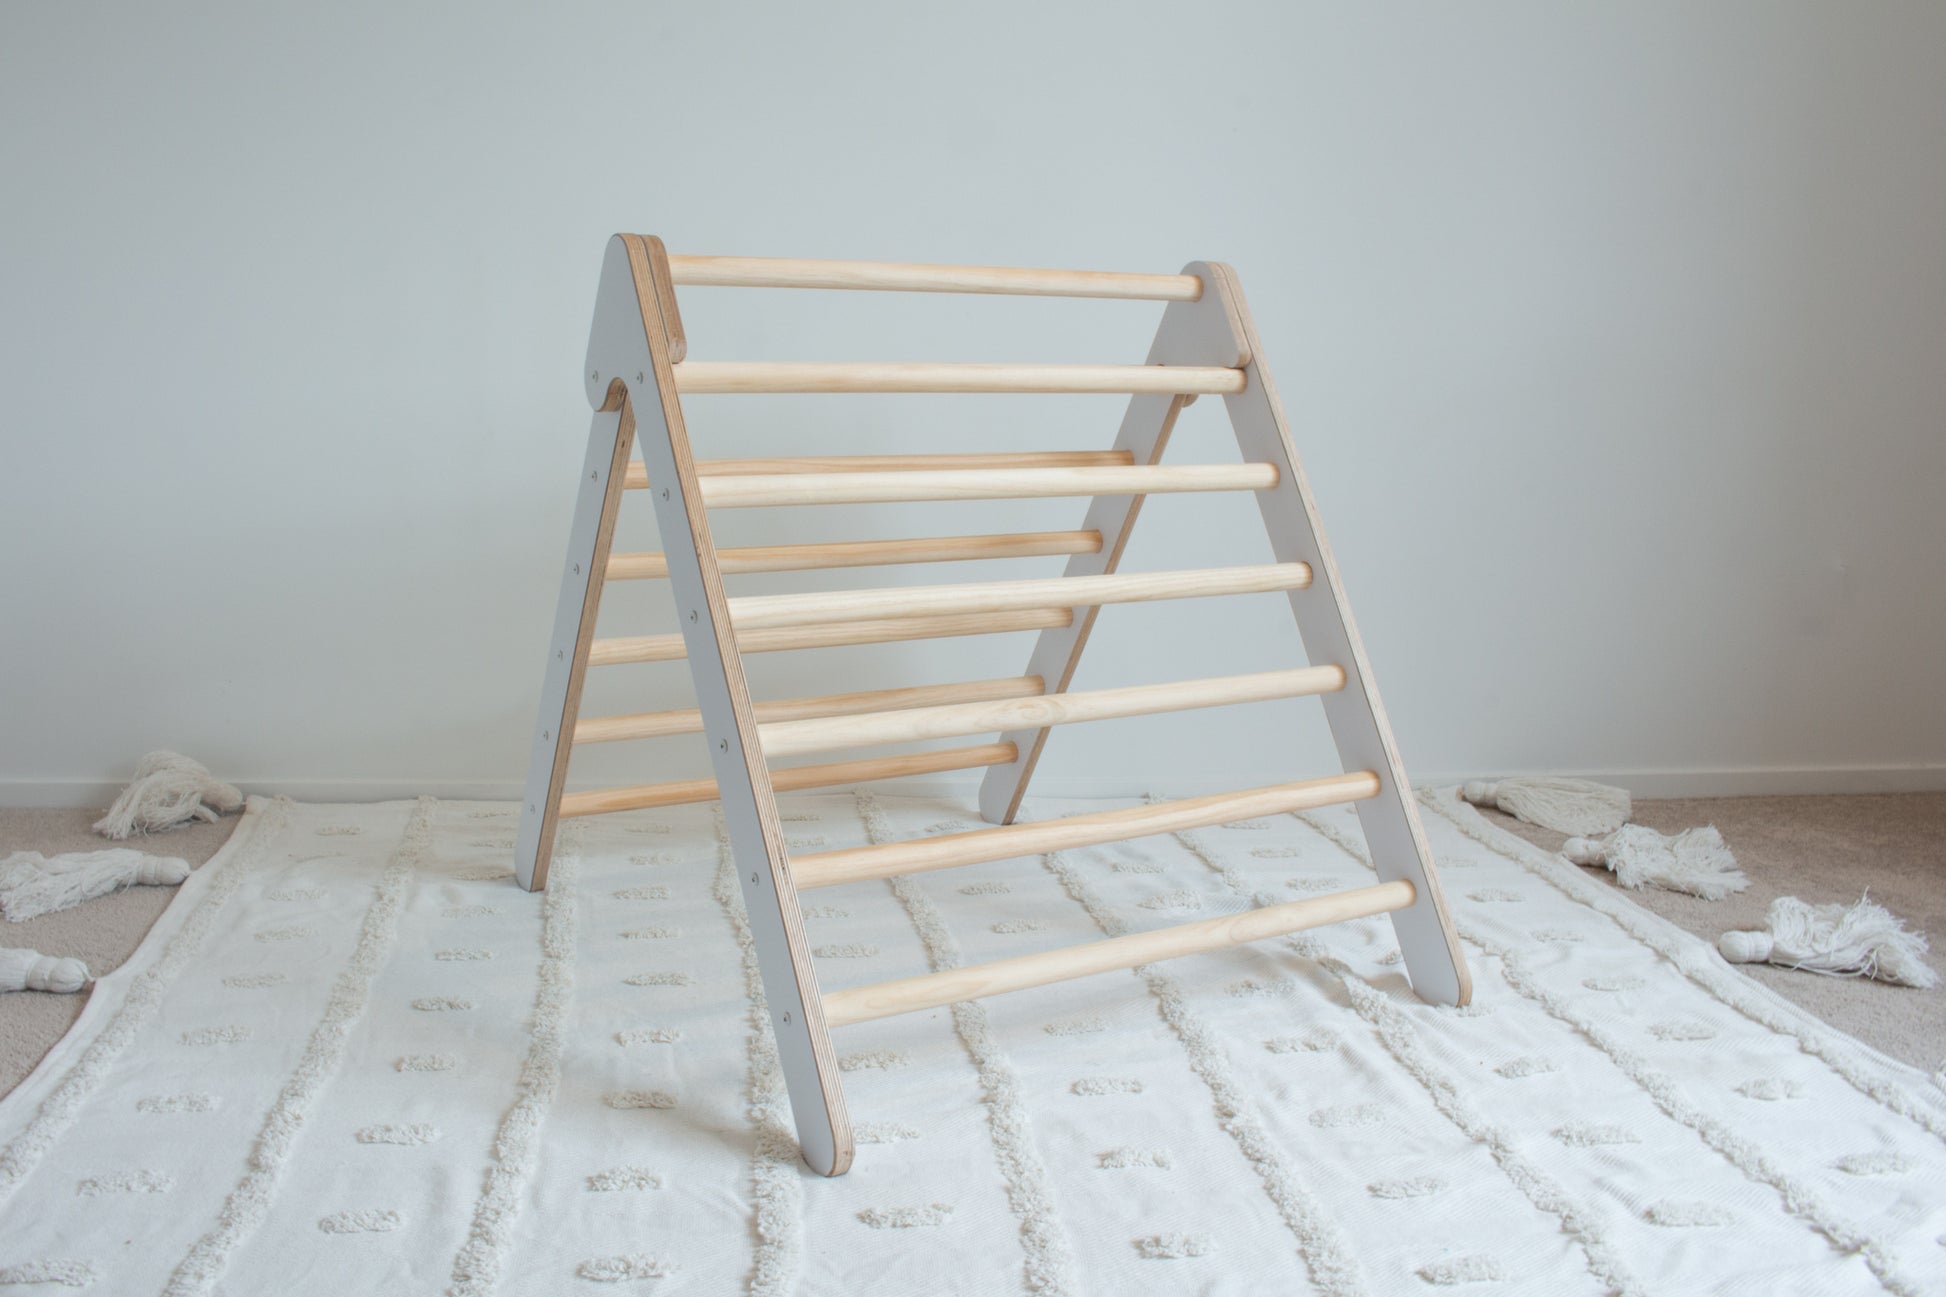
x,y
1753,781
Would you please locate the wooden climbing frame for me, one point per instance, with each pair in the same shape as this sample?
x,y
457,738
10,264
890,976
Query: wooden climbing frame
x,y
637,373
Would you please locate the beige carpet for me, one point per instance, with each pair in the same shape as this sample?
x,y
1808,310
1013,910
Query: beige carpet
x,y
102,932
1818,848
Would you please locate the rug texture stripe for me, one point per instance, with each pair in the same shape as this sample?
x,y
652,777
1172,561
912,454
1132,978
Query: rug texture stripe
x,y
776,1182
1395,1031
354,1057
250,1201
1048,1263
1319,1242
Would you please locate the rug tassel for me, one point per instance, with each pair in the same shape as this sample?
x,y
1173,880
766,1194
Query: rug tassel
x,y
1695,861
1565,805
168,789
1861,940
22,969
32,884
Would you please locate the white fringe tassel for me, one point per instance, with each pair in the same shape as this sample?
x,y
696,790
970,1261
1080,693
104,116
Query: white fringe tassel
x,y
1862,940
1695,861
29,970
32,884
168,789
1574,806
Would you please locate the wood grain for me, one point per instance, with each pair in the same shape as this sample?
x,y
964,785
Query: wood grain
x,y
789,779
638,476
753,612
860,727
983,484
935,990
949,850
650,725
905,276
885,630
699,377
868,553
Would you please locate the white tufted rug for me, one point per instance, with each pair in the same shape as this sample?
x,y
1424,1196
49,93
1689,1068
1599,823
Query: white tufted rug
x,y
352,1058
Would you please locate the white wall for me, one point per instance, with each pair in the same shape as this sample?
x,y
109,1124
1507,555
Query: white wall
x,y
1615,339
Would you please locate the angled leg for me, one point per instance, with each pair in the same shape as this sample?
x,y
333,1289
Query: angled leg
x,y
595,506
1184,338
629,364
1357,718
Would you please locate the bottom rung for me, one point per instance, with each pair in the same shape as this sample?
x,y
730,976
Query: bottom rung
x,y
791,779
931,991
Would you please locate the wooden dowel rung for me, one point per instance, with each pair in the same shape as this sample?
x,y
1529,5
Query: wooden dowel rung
x,y
790,779
669,648
794,272
641,567
714,376
637,478
868,553
983,484
750,612
949,850
934,990
652,725
860,727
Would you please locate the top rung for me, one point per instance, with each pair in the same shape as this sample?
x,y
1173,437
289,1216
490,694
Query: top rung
x,y
912,277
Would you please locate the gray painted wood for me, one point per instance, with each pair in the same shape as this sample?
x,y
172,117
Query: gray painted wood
x,y
620,350
1216,330
1185,337
554,726
1393,834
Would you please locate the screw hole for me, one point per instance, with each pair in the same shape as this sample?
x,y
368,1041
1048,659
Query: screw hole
x,y
692,614
787,1017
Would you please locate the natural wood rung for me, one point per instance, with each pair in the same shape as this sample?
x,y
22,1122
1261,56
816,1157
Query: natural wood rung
x,y
764,490
721,376
637,478
885,630
790,779
850,729
934,990
917,277
868,553
651,725
751,612
950,850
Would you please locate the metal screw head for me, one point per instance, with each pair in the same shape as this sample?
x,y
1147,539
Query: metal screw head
x,y
723,746
692,614
787,1017
546,735
594,376
638,376
577,569
665,493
